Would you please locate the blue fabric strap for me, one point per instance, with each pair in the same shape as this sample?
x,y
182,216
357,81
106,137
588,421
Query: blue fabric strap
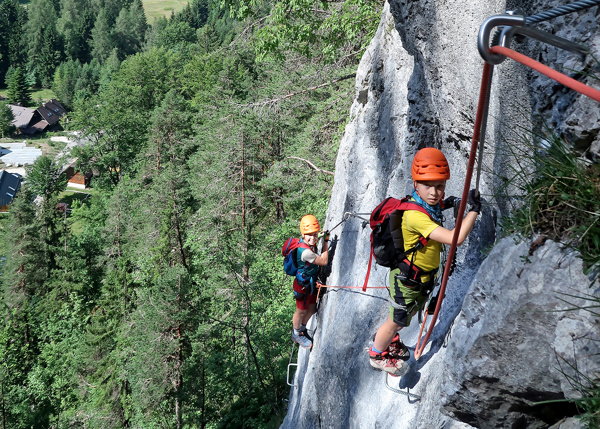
x,y
434,211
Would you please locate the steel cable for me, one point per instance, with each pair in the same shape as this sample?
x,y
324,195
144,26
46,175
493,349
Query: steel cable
x,y
560,11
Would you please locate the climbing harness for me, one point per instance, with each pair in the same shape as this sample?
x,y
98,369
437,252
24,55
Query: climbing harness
x,y
406,392
493,55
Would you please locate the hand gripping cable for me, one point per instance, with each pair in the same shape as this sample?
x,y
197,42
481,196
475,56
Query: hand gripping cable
x,y
495,55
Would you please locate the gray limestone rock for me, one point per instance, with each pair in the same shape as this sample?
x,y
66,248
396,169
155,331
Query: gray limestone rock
x,y
520,335
418,85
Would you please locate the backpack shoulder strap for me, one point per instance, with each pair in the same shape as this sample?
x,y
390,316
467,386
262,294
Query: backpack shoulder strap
x,y
406,204
410,205
292,244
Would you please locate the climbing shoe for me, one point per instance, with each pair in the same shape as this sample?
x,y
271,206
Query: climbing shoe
x,y
304,333
398,350
302,340
384,362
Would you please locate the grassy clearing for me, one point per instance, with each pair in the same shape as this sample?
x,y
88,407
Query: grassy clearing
x,y
69,196
158,8
153,8
37,96
79,197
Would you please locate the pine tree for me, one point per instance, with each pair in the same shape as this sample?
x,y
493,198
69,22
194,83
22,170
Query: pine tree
x,y
44,42
6,118
12,21
18,92
103,40
45,179
130,29
49,57
75,25
139,23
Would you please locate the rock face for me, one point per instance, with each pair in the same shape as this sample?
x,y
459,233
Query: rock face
x,y
522,330
492,352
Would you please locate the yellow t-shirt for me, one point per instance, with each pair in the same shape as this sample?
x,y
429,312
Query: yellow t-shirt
x,y
414,225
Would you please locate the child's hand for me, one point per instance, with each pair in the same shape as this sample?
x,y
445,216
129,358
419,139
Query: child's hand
x,y
474,201
451,202
324,234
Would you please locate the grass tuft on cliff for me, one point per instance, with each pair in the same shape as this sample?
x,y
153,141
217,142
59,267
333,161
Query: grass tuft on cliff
x,y
560,198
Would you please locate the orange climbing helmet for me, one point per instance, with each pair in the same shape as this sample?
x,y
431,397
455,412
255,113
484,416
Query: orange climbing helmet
x,y
430,164
309,224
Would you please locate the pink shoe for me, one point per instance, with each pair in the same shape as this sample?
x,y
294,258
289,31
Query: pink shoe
x,y
384,362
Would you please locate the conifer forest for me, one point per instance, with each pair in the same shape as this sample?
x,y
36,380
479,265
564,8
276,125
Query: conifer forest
x,y
160,301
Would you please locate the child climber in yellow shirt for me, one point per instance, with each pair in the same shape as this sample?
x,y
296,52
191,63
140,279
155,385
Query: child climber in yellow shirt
x,y
411,282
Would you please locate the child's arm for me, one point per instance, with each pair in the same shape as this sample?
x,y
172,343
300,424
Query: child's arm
x,y
322,259
444,236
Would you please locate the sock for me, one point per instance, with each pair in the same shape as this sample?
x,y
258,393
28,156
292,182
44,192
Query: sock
x,y
375,350
303,328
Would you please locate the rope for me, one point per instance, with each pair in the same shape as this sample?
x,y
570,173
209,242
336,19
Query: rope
x,y
355,287
551,73
487,74
561,10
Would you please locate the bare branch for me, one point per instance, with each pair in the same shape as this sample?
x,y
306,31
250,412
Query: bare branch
x,y
248,28
293,94
313,166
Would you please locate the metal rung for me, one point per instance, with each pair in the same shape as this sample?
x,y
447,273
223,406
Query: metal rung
x,y
290,364
402,392
288,373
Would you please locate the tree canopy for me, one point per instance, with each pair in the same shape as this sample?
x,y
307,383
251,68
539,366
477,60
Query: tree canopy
x,y
158,299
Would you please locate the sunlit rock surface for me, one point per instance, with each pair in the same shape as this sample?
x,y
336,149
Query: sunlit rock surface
x,y
418,85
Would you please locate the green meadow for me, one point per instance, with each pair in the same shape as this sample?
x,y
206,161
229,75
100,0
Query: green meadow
x,y
154,8
157,8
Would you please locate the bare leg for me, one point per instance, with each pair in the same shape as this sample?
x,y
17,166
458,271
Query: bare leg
x,y
385,334
298,317
312,309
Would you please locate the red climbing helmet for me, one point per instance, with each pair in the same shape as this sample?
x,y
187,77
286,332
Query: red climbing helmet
x,y
430,164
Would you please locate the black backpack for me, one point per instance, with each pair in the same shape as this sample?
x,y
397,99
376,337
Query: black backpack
x,y
387,243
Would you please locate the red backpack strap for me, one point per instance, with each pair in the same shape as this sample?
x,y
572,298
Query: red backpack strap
x,y
286,246
368,271
291,244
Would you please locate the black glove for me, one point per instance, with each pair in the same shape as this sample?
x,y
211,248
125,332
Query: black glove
x,y
451,202
474,201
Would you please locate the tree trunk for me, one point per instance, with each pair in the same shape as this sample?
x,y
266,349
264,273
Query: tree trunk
x,y
3,406
179,364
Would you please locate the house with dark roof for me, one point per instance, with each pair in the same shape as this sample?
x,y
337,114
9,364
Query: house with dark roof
x,y
10,183
23,117
44,118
